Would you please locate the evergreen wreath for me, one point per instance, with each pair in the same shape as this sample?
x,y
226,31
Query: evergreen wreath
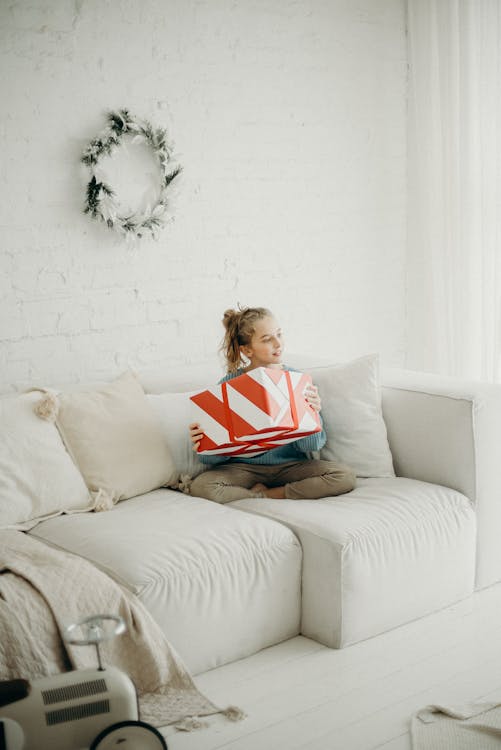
x,y
100,198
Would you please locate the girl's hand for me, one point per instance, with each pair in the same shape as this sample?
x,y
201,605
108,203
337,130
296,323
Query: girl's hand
x,y
196,434
312,396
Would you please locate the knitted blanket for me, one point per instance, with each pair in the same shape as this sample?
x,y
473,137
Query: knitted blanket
x,y
470,726
43,589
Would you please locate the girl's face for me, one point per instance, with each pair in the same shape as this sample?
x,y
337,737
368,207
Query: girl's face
x,y
266,346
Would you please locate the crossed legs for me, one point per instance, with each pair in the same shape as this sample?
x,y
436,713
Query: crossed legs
x,y
295,480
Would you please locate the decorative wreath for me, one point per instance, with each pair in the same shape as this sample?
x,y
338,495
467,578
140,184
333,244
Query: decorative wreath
x,y
100,198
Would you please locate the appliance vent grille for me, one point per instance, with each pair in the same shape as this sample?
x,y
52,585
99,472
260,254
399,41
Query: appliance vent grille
x,y
70,692
72,713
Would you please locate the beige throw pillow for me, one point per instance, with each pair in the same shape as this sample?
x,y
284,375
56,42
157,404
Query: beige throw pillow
x,y
353,418
38,478
115,439
173,411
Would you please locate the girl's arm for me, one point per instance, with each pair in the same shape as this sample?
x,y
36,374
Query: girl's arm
x,y
316,441
196,434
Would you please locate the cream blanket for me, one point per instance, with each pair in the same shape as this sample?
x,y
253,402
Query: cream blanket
x,y
42,590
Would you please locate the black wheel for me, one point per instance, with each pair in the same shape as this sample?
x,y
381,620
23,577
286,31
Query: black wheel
x,y
129,735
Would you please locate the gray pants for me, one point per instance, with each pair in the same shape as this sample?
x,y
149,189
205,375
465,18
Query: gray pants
x,y
302,480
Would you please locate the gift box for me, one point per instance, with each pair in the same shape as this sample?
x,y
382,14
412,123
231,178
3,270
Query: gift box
x,y
254,412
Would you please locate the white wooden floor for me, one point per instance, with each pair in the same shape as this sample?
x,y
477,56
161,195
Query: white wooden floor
x,y
301,695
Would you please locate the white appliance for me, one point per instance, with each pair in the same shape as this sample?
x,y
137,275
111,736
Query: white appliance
x,y
87,709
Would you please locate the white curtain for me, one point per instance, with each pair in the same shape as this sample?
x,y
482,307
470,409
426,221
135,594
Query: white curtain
x,y
454,187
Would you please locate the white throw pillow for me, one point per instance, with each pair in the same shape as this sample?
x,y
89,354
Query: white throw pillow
x,y
174,414
115,440
38,477
353,418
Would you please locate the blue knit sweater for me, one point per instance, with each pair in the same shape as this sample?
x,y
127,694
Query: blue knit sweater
x,y
295,451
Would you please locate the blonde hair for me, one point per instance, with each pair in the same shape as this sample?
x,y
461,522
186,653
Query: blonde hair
x,y
240,326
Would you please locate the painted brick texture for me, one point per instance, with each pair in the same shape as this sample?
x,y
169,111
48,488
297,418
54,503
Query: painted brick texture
x,y
289,120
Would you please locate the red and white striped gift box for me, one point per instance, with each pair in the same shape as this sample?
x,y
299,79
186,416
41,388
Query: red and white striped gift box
x,y
254,412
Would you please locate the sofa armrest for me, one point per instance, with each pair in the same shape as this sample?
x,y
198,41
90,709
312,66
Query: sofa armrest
x,y
448,431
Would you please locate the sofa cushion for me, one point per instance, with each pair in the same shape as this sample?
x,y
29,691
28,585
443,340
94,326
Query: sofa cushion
x,y
390,551
353,417
114,438
38,478
221,584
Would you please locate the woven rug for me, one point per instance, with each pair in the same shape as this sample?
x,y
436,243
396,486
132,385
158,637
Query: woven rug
x,y
468,726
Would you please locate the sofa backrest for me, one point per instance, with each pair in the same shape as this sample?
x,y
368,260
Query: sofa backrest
x,y
181,378
430,435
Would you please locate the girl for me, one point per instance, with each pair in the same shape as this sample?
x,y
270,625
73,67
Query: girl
x,y
283,472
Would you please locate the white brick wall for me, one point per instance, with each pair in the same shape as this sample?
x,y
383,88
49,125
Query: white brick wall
x,y
289,119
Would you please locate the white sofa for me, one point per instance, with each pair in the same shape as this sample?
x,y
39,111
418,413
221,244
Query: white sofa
x,y
220,584
227,581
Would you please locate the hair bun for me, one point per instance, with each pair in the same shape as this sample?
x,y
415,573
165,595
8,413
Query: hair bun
x,y
230,317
